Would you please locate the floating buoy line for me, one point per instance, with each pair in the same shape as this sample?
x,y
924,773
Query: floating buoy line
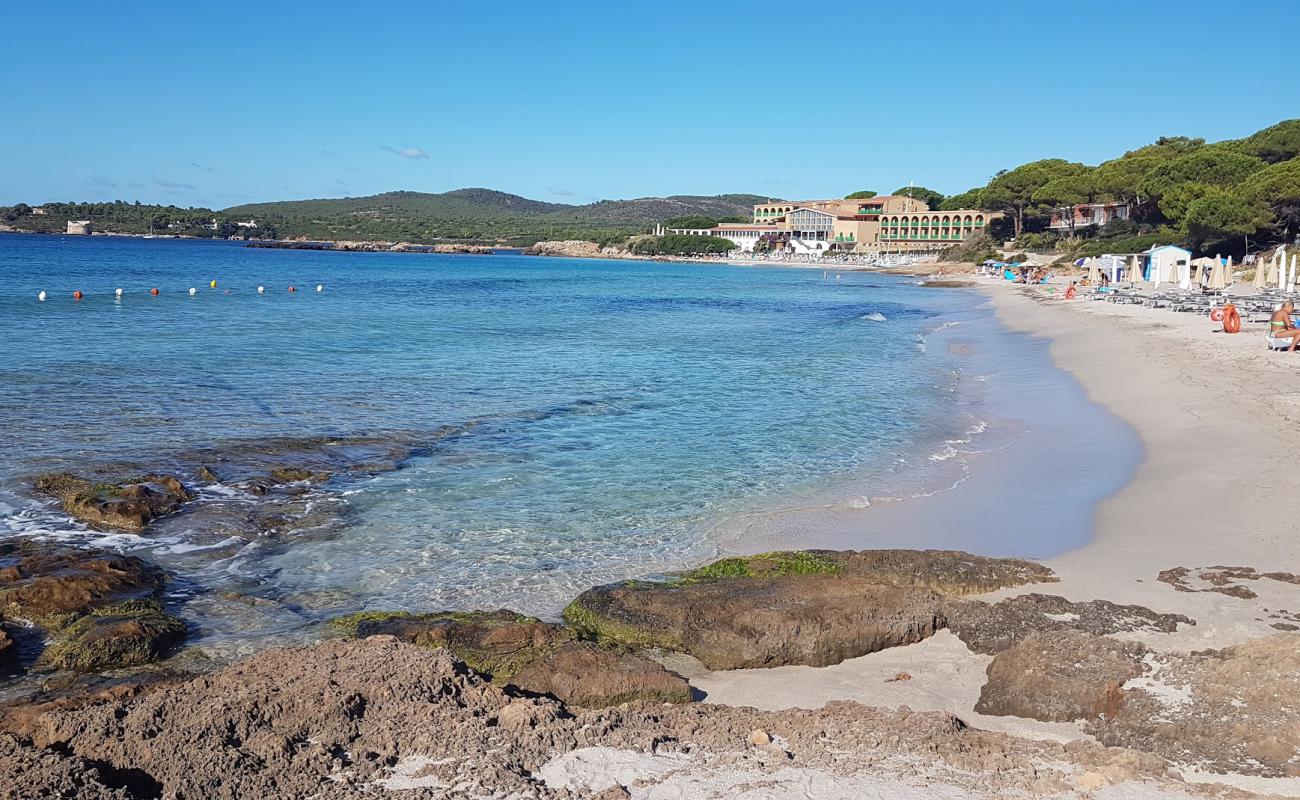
x,y
154,291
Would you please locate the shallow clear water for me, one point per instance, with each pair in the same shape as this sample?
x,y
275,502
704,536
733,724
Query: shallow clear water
x,y
627,407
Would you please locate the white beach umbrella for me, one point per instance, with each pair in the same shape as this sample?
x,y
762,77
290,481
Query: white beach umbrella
x,y
1094,274
1218,277
1261,275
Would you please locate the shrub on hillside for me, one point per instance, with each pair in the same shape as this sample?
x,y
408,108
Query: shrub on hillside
x,y
676,245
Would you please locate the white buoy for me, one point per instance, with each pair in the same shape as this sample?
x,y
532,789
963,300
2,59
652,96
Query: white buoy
x,y
261,290
117,292
40,296
320,287
193,291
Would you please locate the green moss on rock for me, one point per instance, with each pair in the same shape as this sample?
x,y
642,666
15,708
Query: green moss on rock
x,y
124,634
496,643
766,565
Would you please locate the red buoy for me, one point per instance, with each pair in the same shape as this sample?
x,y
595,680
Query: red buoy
x,y
153,291
76,295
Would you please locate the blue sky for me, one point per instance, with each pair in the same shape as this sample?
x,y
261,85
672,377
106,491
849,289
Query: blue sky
x,y
218,104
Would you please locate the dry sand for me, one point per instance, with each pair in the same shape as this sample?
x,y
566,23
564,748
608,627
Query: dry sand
x,y
1218,486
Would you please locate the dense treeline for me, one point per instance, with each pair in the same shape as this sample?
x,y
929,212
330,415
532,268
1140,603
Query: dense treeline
x,y
1212,197
678,245
120,216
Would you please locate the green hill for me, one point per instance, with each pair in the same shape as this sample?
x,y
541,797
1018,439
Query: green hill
x,y
480,215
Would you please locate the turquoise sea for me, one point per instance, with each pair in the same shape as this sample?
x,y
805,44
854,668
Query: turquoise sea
x,y
626,412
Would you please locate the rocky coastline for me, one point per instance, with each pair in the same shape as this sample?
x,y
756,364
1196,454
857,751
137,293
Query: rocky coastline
x,y
371,247
98,631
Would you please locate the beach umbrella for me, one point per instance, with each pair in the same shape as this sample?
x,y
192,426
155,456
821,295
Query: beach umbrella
x,y
1196,275
1094,274
1079,262
1270,273
1218,277
1261,275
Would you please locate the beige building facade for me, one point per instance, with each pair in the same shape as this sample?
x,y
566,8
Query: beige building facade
x,y
889,223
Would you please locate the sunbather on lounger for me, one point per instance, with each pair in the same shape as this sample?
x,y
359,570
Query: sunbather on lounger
x,y
1280,325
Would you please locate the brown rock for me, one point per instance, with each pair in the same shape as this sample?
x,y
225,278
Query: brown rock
x,y
1061,676
123,504
581,674
496,643
8,650
52,585
731,624
1229,710
993,627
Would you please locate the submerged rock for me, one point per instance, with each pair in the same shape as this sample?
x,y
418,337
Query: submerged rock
x,y
495,643
122,503
8,649
581,674
814,607
990,628
1059,677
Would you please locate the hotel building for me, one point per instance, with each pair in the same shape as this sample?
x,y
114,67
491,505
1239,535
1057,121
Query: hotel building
x,y
892,223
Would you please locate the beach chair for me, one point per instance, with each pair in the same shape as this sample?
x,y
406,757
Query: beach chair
x,y
1275,343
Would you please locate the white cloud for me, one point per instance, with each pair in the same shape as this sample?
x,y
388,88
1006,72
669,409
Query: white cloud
x,y
406,152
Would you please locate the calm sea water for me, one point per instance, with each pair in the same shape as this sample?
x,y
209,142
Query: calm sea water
x,y
646,402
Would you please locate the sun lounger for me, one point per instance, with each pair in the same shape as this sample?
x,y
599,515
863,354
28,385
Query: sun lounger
x,y
1275,343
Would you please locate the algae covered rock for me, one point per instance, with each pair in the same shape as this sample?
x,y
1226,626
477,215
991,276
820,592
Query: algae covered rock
x,y
101,610
122,503
126,634
581,674
496,643
811,607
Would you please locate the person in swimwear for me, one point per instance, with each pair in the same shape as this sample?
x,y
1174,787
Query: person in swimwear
x,y
1280,325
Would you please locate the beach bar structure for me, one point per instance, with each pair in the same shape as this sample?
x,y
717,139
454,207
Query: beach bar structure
x,y
1167,263
893,223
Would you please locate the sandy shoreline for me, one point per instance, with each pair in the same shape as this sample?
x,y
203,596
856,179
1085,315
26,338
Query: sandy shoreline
x,y
1213,412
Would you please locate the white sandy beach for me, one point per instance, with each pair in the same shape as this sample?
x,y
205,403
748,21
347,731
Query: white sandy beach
x,y
1217,486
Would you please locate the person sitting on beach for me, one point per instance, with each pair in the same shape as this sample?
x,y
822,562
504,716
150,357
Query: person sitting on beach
x,y
1280,325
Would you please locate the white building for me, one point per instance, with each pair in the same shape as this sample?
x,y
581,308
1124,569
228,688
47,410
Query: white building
x,y
78,227
744,234
1167,263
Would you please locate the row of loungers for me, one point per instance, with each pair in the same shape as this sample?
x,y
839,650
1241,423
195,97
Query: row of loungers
x,y
1258,307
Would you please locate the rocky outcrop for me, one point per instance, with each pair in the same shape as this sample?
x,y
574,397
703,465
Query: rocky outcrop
x,y
1230,710
1059,677
495,643
53,586
744,623
126,634
100,610
574,248
8,649
990,628
346,719
1218,710
813,607
123,504
581,674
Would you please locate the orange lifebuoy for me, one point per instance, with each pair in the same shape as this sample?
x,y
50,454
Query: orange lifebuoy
x,y
1070,293
1216,315
1231,319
